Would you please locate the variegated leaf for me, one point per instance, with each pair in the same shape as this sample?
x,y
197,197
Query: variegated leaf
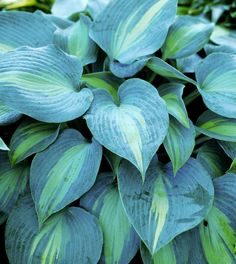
x,y
217,126
216,70
31,137
186,36
70,236
179,143
172,94
63,172
75,40
13,182
120,239
133,129
127,30
43,83
165,205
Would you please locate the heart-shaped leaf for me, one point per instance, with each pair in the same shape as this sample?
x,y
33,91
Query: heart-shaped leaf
x,y
70,236
43,83
22,28
63,172
127,30
120,239
215,71
136,127
165,205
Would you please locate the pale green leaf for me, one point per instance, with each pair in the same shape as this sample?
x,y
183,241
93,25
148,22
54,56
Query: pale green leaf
x,y
3,146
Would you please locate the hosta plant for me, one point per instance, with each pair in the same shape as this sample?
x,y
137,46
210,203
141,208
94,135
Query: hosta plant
x,y
117,134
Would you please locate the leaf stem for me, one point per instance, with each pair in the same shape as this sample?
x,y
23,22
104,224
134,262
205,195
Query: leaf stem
x,y
191,97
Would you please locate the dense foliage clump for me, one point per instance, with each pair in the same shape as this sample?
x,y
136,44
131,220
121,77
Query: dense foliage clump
x,y
118,131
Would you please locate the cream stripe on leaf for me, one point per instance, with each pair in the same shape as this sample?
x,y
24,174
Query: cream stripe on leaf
x,y
31,137
63,172
209,155
24,29
179,143
8,115
43,83
165,205
136,127
172,94
120,239
216,77
75,40
136,28
187,35
13,182
217,126
3,146
70,236
164,69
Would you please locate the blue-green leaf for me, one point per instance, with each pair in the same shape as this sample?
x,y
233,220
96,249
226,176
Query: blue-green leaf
x,y
172,94
63,172
165,205
70,236
8,115
217,126
224,36
120,239
3,146
186,36
216,70
229,148
113,160
136,127
75,40
188,64
127,30
13,182
179,143
43,83
213,159
209,48
164,69
31,137
65,8
22,28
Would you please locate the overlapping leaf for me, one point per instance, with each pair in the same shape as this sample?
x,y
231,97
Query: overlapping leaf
x,y
31,137
63,172
70,236
43,83
3,146
120,239
165,205
136,127
8,115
